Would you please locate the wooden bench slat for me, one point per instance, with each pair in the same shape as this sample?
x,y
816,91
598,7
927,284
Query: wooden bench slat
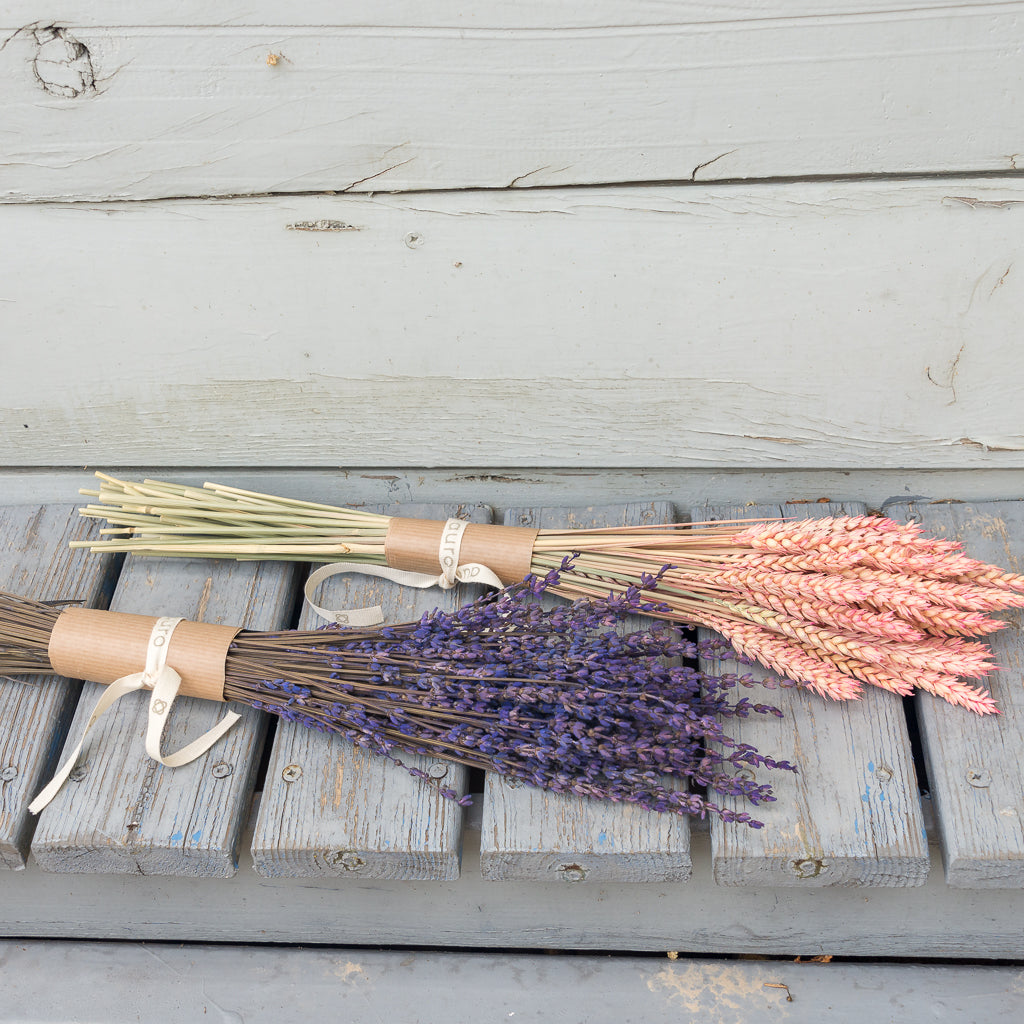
x,y
542,99
128,814
331,808
933,920
271,985
852,814
529,833
666,403
973,762
35,561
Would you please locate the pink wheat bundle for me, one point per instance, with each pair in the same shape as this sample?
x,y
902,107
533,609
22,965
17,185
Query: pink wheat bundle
x,y
840,602
834,603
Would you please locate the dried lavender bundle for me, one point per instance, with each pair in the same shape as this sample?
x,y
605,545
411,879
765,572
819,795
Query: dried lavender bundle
x,y
834,603
555,698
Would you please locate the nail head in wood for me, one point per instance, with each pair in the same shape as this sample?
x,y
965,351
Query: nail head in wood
x,y
348,860
809,868
572,872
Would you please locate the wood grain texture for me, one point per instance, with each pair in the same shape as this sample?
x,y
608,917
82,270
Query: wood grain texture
x,y
974,763
607,328
129,814
97,111
267,986
933,920
503,487
35,561
545,14
330,808
851,816
529,833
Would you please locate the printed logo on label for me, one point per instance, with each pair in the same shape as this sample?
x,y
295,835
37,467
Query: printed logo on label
x,y
451,541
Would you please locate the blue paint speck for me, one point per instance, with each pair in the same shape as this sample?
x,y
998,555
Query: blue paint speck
x,y
871,766
177,837
196,836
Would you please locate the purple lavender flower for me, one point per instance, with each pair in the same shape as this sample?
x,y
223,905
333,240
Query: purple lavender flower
x,y
555,698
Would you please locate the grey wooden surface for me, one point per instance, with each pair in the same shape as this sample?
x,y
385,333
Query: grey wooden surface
x,y
533,834
34,715
125,812
600,328
331,808
281,986
975,763
933,920
852,813
503,487
313,97
121,898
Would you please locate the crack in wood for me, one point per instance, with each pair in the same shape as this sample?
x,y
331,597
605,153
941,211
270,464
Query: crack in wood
x,y
62,64
707,163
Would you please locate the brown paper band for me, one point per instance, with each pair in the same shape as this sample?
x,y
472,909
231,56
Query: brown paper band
x,y
104,646
415,545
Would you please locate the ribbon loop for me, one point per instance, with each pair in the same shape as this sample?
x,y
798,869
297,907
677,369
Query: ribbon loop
x,y
452,573
164,681
165,690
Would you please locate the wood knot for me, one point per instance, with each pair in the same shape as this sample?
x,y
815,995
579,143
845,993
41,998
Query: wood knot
x,y
62,64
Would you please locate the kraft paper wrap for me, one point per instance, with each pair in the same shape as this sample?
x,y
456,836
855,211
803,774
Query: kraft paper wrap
x,y
104,646
414,545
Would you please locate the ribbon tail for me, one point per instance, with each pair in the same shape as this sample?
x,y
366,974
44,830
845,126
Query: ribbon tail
x,y
474,572
471,572
165,689
117,689
360,617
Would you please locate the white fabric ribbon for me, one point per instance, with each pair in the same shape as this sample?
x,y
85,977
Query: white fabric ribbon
x,y
451,574
159,677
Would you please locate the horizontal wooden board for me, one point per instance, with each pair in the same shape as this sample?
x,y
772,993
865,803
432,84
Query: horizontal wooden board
x,y
503,487
773,327
267,986
491,14
697,916
407,100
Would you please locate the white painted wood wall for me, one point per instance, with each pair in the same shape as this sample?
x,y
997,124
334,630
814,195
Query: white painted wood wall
x,y
660,235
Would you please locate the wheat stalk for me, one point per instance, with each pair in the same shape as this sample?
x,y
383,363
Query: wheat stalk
x,y
834,603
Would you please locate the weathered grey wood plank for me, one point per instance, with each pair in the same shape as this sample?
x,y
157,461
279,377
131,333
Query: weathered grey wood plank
x,y
536,14
503,487
141,111
529,833
933,920
35,561
268,986
975,763
852,815
330,808
484,332
128,814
